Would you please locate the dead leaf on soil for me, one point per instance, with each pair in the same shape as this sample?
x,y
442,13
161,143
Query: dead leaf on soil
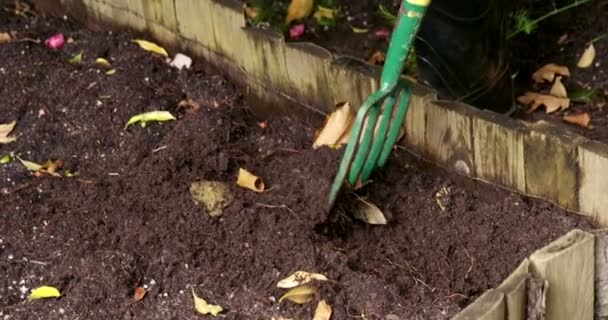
x,y
586,59
5,130
548,72
323,311
145,117
299,278
558,89
551,103
152,47
336,130
189,105
368,212
298,9
249,181
214,195
377,58
5,37
299,295
44,292
202,307
581,119
103,62
439,197
139,293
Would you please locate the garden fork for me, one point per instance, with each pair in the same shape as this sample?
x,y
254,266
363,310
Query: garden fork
x,y
367,131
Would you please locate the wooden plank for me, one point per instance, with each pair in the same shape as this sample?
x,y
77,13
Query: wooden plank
x,y
489,306
568,264
514,288
593,161
601,273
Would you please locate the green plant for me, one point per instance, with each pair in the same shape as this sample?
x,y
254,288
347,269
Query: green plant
x,y
523,23
390,17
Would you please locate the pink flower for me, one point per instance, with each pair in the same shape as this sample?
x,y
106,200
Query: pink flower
x,y
382,33
297,30
55,42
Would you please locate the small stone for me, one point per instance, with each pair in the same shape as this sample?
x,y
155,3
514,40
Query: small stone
x,y
61,311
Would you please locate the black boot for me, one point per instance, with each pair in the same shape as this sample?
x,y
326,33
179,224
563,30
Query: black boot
x,y
462,53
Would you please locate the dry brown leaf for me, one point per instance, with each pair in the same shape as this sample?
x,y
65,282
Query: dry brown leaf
x,y
336,130
548,72
377,58
323,311
5,130
299,278
558,89
299,295
139,294
586,59
581,119
189,105
551,103
249,181
298,9
368,212
5,37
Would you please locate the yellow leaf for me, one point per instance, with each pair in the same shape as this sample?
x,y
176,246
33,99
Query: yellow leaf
x,y
44,292
103,62
5,37
586,59
323,311
323,12
298,9
111,72
299,295
558,89
151,46
551,103
5,130
150,116
548,71
299,278
31,166
247,180
581,119
202,307
336,129
359,30
368,212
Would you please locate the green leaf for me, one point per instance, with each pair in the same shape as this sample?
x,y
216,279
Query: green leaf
x,y
77,58
111,72
44,292
203,307
31,166
6,159
143,118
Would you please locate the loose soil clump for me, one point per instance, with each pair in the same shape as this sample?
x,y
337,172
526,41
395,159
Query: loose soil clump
x,y
127,218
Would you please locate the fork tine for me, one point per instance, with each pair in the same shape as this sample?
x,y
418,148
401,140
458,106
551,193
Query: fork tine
x,y
396,124
364,143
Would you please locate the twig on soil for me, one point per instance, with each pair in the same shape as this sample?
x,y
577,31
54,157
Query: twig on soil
x,y
159,149
466,275
27,185
278,207
42,263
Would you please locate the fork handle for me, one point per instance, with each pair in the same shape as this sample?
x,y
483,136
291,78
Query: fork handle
x,y
409,18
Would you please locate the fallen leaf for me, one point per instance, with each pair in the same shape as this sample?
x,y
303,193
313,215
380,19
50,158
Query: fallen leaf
x,y
439,197
44,292
29,165
586,59
139,294
5,130
103,62
51,167
377,58
299,295
298,9
581,119
152,47
189,105
551,103
143,118
202,307
299,278
359,30
558,89
77,58
5,37
336,129
323,311
249,181
111,72
368,212
214,195
548,71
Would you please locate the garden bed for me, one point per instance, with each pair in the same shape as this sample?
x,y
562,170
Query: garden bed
x,y
560,39
127,218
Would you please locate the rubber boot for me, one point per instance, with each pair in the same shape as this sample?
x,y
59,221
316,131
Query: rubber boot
x,y
461,52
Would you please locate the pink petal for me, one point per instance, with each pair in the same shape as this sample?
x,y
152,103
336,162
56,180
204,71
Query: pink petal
x,y
382,33
297,30
55,42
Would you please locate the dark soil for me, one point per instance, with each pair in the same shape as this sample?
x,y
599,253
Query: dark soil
x,y
528,52
127,218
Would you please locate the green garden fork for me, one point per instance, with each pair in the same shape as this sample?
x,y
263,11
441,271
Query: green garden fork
x,y
381,137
